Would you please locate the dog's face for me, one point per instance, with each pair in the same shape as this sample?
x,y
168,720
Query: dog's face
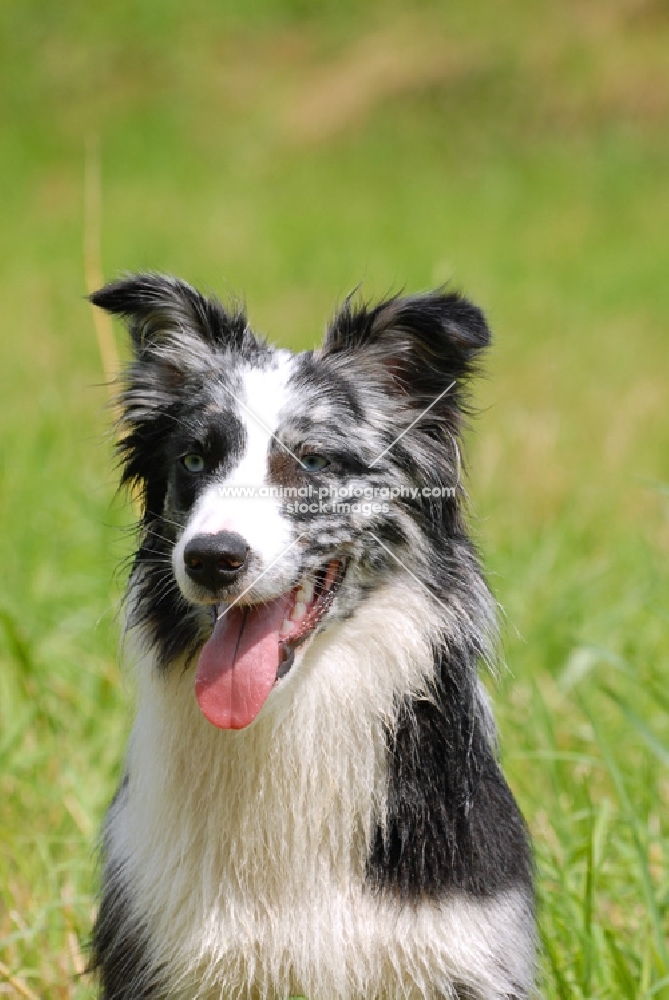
x,y
278,489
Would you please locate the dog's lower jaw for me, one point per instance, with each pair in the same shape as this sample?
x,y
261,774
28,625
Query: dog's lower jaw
x,y
241,858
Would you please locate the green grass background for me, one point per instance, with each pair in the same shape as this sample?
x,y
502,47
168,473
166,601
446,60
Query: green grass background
x,y
285,151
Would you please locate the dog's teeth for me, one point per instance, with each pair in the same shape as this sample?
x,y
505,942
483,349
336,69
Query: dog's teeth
x,y
286,627
299,611
305,594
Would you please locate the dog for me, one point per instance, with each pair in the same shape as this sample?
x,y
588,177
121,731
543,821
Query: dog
x,y
311,803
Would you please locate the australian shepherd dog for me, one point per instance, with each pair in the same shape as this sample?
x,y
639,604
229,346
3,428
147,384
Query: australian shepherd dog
x,y
311,803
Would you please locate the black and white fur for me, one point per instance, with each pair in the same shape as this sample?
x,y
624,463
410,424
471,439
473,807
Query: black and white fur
x,y
358,838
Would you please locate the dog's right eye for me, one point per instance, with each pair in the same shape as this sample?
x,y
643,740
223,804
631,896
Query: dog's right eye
x,y
193,463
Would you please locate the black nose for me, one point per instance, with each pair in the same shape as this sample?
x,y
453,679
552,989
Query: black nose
x,y
215,561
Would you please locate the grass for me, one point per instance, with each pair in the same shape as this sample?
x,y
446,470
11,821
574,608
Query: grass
x,y
287,152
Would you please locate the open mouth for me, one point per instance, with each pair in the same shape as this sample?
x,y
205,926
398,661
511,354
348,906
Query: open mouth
x,y
312,602
252,647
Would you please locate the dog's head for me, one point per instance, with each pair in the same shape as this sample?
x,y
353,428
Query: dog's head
x,y
278,489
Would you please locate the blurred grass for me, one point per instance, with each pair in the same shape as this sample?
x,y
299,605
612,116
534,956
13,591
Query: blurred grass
x,y
287,151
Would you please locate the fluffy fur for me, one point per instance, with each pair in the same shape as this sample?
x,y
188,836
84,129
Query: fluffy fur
x,y
358,837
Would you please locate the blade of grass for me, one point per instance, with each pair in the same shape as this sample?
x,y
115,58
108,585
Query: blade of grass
x,y
626,983
19,646
17,983
637,723
588,906
15,733
644,871
654,990
563,988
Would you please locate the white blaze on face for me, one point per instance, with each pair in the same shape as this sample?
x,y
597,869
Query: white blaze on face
x,y
243,501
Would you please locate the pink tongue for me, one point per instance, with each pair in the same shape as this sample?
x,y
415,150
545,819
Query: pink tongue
x,y
237,666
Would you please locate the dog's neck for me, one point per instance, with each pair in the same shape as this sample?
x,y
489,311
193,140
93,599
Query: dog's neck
x,y
296,784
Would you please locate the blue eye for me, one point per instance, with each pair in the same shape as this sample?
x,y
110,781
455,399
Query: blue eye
x,y
314,463
193,463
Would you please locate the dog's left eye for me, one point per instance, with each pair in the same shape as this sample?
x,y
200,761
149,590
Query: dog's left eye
x,y
193,463
314,463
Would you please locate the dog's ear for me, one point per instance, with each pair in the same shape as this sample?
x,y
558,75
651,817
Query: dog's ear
x,y
157,308
180,339
421,343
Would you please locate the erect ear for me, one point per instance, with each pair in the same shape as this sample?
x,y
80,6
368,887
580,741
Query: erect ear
x,y
159,308
179,340
421,343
